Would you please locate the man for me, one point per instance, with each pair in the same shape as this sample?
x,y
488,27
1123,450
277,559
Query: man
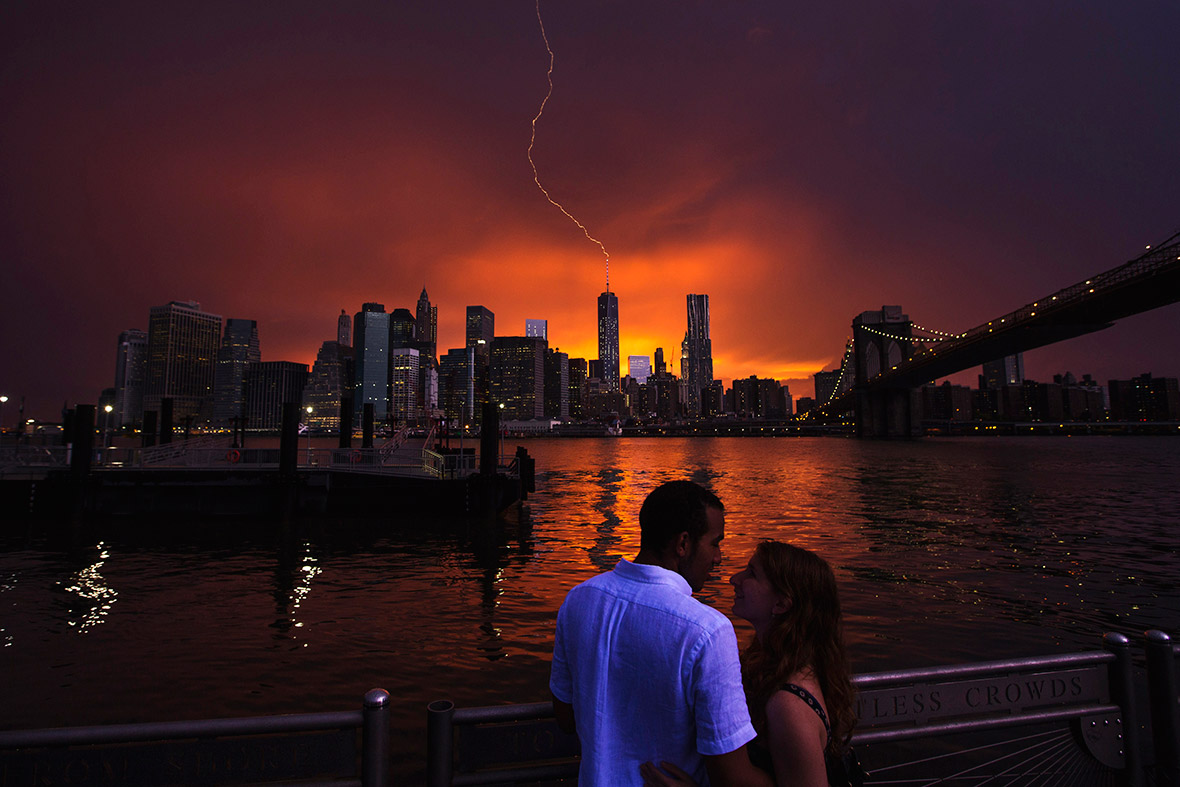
x,y
641,670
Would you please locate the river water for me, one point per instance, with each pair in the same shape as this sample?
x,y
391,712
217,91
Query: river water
x,y
947,550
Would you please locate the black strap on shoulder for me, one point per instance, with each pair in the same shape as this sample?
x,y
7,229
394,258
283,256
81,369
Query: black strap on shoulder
x,y
810,699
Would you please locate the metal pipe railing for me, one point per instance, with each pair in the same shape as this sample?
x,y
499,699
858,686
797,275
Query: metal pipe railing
x,y
372,720
1162,658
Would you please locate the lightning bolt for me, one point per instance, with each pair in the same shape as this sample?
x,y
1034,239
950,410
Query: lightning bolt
x,y
533,140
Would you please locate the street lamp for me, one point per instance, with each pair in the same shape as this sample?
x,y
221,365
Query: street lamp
x,y
106,431
3,399
309,411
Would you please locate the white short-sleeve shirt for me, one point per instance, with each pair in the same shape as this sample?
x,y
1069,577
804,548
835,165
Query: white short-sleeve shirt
x,y
652,674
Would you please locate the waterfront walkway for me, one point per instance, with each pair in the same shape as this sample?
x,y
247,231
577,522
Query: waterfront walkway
x,y
1078,718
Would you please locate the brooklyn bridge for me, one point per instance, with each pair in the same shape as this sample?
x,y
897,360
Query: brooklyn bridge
x,y
886,361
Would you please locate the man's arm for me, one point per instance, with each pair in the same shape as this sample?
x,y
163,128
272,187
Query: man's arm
x,y
735,770
565,716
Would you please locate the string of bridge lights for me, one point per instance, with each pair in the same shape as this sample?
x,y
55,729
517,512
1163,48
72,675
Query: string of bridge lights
x,y
843,371
947,336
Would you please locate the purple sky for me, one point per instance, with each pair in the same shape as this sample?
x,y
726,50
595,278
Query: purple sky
x,y
800,163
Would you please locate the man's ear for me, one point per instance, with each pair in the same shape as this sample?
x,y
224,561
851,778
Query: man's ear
x,y
683,544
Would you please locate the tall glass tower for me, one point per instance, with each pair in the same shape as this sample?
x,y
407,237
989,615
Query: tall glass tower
x,y
608,339
239,349
370,346
697,364
130,368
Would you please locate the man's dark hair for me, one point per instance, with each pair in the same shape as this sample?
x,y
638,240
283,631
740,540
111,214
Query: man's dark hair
x,y
672,509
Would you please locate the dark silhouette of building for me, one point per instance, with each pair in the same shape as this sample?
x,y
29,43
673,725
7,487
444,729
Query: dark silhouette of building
x,y
344,329
947,402
457,385
426,326
270,385
578,379
328,384
402,329
517,376
130,375
1145,398
755,397
696,363
825,385
181,358
1008,370
557,384
481,325
240,347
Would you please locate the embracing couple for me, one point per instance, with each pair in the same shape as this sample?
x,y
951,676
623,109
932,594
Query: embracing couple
x,y
651,680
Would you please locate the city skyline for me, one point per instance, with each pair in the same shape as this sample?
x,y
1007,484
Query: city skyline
x,y
798,165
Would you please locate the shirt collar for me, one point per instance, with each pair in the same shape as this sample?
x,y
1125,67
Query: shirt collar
x,y
655,575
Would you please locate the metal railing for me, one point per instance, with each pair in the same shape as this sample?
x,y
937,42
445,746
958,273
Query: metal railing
x,y
1086,700
1091,691
1163,687
231,749
449,465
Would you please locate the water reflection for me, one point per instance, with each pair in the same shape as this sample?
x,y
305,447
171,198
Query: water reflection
x,y
90,586
606,487
496,547
294,575
7,583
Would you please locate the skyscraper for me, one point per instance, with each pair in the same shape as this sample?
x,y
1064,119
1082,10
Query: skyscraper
x,y
696,366
518,376
457,385
182,354
557,384
402,329
239,348
426,326
329,383
608,340
344,329
1008,370
130,372
270,385
481,325
578,372
538,329
404,402
370,346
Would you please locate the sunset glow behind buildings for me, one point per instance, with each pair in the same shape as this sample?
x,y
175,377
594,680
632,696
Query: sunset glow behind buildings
x,y
798,165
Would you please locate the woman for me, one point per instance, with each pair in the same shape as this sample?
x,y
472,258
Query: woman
x,y
794,671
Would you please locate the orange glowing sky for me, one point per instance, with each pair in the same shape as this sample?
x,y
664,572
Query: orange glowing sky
x,y
799,165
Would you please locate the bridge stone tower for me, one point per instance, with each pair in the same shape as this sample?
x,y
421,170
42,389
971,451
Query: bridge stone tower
x,y
881,340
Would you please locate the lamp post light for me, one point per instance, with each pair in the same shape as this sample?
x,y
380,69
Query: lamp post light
x,y
106,431
309,412
3,399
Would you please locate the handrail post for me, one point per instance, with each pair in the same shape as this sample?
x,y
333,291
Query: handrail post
x,y
440,743
1122,691
1165,712
375,739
